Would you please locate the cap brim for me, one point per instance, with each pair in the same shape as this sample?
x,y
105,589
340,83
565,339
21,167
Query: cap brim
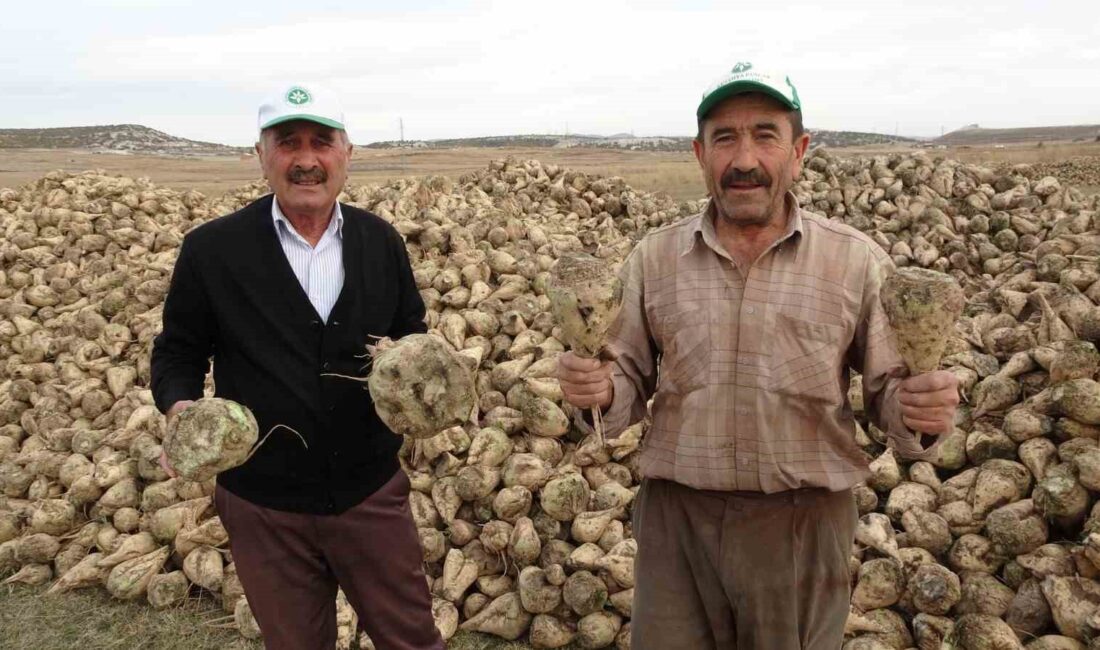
x,y
738,87
303,116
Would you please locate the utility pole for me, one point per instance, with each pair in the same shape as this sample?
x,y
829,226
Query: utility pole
x,y
404,161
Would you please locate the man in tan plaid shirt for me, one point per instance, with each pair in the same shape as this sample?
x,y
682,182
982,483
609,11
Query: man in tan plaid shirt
x,y
754,312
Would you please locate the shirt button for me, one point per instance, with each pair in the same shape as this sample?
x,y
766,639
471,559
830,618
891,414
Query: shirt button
x,y
743,411
745,462
751,310
326,365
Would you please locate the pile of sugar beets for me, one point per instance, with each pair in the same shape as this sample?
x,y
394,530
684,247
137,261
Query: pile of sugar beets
x,y
524,521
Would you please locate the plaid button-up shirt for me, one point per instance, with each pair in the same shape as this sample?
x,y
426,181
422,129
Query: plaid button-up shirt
x,y
751,392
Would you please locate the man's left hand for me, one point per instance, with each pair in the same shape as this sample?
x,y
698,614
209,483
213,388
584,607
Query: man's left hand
x,y
928,402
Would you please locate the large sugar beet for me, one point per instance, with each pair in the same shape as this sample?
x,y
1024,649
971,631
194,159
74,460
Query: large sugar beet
x,y
585,298
504,617
210,436
130,579
1078,399
922,307
981,632
420,387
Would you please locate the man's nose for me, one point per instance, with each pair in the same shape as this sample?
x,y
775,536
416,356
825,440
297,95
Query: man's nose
x,y
307,157
744,157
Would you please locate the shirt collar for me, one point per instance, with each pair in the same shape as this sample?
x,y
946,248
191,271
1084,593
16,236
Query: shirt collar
x,y
703,229
335,224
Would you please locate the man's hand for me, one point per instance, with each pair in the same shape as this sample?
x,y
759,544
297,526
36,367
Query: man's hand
x,y
928,402
172,414
585,382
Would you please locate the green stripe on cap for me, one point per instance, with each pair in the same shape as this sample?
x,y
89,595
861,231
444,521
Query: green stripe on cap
x,y
743,86
303,116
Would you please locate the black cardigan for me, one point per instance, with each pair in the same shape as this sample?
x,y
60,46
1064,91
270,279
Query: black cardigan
x,y
234,297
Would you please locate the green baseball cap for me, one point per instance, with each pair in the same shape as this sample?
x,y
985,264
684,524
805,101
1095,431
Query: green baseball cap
x,y
744,78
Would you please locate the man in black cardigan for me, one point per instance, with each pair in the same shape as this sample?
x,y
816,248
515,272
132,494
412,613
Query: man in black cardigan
x,y
285,294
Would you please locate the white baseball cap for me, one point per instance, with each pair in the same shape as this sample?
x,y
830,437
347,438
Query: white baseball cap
x,y
745,78
302,101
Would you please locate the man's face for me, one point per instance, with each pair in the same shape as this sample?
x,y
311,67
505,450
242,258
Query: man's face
x,y
305,163
748,157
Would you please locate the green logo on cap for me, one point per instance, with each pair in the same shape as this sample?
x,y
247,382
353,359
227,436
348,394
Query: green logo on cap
x,y
298,96
742,67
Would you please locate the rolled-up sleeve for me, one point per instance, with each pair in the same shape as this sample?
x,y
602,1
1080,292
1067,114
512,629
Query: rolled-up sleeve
x,y
630,342
874,353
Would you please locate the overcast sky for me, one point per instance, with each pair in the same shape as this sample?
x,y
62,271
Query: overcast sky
x,y
199,68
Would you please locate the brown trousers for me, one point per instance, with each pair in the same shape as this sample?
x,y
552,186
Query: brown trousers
x,y
290,565
736,570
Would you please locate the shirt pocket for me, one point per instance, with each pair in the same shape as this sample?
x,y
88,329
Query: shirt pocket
x,y
685,357
806,354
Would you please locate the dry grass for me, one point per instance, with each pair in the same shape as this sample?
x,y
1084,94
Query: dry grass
x,y
1025,153
680,179
89,619
673,172
989,155
471,641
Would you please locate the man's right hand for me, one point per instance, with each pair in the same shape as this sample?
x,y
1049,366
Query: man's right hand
x,y
172,414
585,383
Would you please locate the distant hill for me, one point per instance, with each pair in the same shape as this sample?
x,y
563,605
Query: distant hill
x,y
974,135
856,138
123,138
625,141
134,138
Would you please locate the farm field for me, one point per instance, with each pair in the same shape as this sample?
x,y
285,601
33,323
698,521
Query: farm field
x,y
673,173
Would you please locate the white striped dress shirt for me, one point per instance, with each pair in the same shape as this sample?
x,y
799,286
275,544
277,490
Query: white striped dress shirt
x,y
320,269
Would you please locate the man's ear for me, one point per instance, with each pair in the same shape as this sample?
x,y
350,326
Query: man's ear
x,y
259,148
800,146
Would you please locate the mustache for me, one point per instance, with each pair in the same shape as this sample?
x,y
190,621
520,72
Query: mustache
x,y
755,176
314,174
